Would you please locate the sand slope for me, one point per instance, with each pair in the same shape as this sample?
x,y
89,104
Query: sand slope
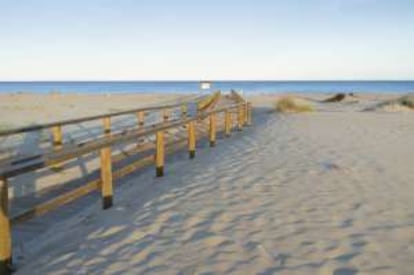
x,y
323,193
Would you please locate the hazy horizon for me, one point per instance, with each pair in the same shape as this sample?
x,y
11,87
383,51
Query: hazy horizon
x,y
213,80
182,40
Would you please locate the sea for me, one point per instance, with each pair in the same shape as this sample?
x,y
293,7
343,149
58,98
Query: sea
x,y
189,87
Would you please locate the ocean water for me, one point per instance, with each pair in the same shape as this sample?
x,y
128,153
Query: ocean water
x,y
185,87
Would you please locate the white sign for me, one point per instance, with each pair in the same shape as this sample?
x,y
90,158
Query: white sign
x,y
205,85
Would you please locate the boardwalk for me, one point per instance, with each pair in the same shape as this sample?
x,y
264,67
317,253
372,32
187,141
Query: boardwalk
x,y
173,132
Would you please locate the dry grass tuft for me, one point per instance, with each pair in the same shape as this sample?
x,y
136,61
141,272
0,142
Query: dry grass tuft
x,y
4,126
402,104
290,104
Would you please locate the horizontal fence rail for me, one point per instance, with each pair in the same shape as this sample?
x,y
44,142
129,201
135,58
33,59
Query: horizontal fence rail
x,y
208,110
97,117
201,104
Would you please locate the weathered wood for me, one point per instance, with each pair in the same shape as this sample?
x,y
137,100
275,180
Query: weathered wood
x,y
184,110
141,118
245,113
191,139
107,125
227,123
89,187
159,155
208,102
73,151
249,113
56,202
57,138
5,235
106,142
90,118
106,177
240,119
212,133
165,114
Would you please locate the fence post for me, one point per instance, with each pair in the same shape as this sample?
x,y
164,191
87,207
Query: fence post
x,y
227,123
240,118
106,177
5,235
159,154
184,110
191,139
165,114
246,113
249,113
107,125
141,118
57,144
212,130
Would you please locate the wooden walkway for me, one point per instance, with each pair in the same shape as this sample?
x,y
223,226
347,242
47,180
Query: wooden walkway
x,y
181,126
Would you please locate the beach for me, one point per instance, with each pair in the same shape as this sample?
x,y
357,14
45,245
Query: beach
x,y
325,192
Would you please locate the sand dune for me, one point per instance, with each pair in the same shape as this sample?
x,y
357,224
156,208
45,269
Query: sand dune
x,y
329,192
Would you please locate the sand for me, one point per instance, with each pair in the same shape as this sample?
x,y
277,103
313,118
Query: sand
x,y
329,192
19,110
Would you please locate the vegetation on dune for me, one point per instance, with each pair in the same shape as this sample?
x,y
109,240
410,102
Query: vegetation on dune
x,y
290,104
404,103
5,126
336,98
340,97
407,101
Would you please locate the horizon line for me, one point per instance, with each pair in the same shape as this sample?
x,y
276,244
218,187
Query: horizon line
x,y
211,80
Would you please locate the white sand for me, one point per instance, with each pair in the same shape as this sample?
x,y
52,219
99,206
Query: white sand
x,y
324,193
18,110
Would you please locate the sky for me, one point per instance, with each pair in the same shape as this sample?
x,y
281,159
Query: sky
x,y
206,39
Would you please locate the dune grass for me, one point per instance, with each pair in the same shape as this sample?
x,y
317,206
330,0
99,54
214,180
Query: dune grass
x,y
407,100
290,104
4,126
404,103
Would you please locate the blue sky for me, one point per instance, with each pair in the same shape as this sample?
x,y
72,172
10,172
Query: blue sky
x,y
206,39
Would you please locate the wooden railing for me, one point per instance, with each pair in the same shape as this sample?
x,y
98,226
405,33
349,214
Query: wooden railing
x,y
103,145
208,101
57,130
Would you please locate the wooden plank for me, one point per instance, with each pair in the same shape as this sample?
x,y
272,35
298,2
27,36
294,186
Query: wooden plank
x,y
5,235
208,102
90,118
70,152
212,132
184,110
106,178
141,118
249,113
227,123
165,114
107,125
236,96
245,113
240,119
159,155
91,186
81,191
72,195
56,202
191,139
57,144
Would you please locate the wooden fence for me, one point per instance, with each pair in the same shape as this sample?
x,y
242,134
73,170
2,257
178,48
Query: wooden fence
x,y
208,109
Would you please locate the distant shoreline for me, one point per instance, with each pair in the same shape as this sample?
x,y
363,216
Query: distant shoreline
x,y
190,87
